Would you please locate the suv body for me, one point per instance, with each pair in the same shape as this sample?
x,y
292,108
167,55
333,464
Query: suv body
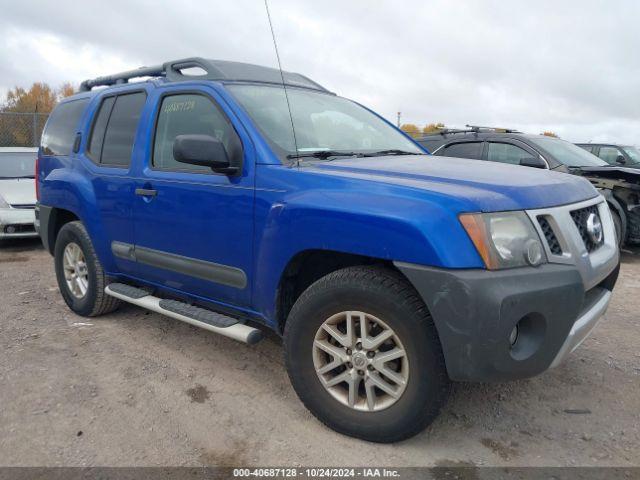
x,y
618,184
366,261
17,192
616,155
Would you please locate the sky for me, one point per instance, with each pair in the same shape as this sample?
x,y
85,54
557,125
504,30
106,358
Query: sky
x,y
569,66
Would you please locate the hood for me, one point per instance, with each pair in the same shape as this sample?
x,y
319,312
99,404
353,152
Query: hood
x,y
483,186
625,175
18,191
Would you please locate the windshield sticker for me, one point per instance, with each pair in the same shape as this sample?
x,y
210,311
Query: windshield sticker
x,y
185,106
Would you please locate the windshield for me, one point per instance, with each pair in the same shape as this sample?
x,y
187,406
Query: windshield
x,y
323,122
634,153
567,153
17,164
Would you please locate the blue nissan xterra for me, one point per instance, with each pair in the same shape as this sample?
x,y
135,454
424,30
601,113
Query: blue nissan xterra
x,y
234,203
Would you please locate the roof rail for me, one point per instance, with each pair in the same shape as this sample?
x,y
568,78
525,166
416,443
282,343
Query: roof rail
x,y
477,128
122,77
214,70
445,131
471,129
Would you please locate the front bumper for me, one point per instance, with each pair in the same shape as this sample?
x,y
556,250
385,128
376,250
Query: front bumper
x,y
554,306
589,317
475,312
17,223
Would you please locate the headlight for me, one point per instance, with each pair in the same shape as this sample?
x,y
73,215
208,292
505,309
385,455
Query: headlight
x,y
3,203
504,239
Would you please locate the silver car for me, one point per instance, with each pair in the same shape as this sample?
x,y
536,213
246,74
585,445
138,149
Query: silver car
x,y
17,192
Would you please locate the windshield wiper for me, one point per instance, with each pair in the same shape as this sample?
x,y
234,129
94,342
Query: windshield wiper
x,y
19,176
324,154
392,151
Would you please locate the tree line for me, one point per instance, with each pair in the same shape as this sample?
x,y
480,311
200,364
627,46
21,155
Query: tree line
x,y
23,112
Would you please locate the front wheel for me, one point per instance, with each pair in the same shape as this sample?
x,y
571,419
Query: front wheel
x,y
80,276
617,225
364,356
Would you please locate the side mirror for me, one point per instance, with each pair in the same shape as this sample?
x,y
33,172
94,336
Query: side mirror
x,y
202,150
534,162
621,160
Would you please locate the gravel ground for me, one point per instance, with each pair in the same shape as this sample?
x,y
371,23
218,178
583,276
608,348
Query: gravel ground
x,y
135,388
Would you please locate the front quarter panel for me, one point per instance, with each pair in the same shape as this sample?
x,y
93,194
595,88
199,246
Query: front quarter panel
x,y
298,211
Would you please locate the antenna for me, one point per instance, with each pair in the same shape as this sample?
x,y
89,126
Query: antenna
x,y
284,86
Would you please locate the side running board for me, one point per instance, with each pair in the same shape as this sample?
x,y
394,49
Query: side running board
x,y
199,317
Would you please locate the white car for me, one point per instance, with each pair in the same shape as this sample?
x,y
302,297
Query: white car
x,y
17,192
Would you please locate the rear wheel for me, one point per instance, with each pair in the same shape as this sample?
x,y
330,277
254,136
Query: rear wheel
x,y
364,356
80,276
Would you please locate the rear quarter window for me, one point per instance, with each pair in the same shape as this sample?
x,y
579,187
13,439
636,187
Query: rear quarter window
x,y
61,128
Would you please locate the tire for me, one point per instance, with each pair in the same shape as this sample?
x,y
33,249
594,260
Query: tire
x,y
383,295
633,227
617,225
94,302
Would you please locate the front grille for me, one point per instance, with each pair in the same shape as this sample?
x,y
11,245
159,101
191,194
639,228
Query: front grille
x,y
550,236
580,218
25,206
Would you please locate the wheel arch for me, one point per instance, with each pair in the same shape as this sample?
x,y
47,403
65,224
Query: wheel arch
x,y
308,266
57,218
616,206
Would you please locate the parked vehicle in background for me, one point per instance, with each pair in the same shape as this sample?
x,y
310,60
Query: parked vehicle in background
x,y
17,192
619,185
388,272
618,155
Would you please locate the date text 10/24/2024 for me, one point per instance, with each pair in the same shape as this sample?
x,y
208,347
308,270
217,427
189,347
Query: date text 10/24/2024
x,y
316,472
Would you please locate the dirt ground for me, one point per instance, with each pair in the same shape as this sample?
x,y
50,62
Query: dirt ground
x,y
135,388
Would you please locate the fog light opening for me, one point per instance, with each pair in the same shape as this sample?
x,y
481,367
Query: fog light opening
x,y
513,337
527,336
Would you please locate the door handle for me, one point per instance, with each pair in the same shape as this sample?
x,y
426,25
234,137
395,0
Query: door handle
x,y
146,192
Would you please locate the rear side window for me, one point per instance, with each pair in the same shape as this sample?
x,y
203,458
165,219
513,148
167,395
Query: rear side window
x,y
506,153
62,126
99,127
463,150
609,154
115,128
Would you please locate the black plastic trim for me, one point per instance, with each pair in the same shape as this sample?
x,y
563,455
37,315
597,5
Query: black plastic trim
x,y
475,311
128,291
44,216
200,314
193,267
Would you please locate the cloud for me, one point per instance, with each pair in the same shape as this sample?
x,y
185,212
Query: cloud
x,y
564,66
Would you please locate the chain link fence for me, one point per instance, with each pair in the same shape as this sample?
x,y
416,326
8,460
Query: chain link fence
x,y
21,129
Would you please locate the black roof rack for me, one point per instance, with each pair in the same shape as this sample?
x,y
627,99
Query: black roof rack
x,y
214,70
445,131
473,129
477,128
